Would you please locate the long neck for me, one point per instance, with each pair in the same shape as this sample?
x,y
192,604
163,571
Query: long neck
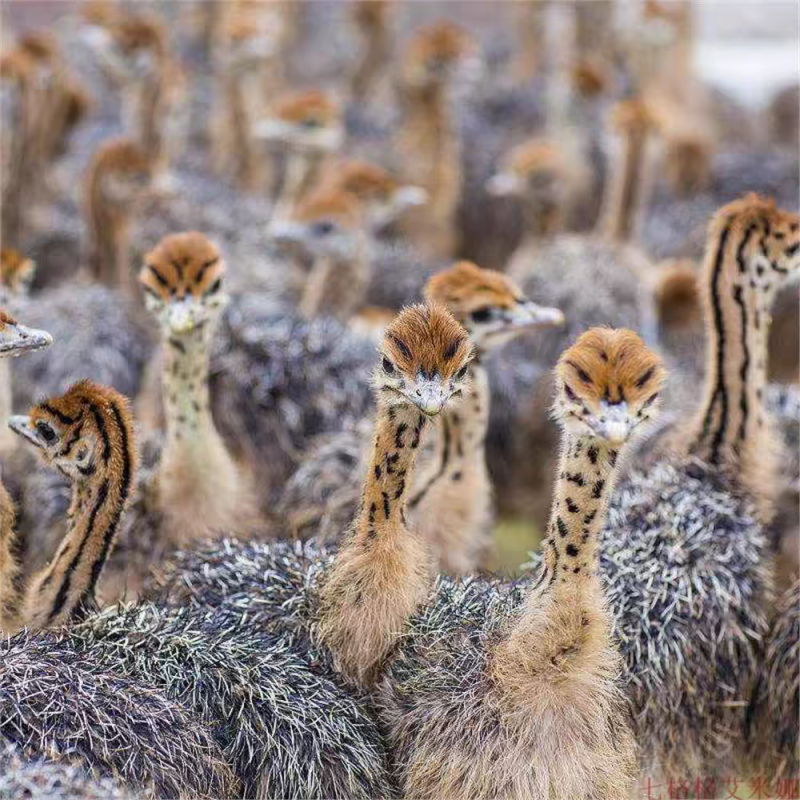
x,y
541,218
108,244
65,588
9,564
627,192
300,169
587,471
732,422
372,60
336,287
462,438
190,427
398,430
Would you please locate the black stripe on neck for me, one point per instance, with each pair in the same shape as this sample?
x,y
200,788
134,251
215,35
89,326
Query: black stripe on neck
x,y
743,373
416,500
63,590
720,392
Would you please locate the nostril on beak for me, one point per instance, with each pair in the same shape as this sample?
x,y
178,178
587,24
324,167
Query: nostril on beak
x,y
419,393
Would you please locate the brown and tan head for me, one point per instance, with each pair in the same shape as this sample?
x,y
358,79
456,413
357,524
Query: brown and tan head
x,y
250,36
121,172
632,117
16,339
768,242
371,16
16,273
488,304
328,224
536,170
86,433
436,53
607,385
383,199
182,279
424,358
308,121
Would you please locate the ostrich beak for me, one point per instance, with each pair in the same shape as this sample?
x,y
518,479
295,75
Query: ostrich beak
x,y
21,425
16,339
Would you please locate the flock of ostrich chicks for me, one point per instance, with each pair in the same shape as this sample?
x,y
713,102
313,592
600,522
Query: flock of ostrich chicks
x,y
277,581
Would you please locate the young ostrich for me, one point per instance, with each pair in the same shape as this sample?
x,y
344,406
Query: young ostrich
x,y
488,677
554,268
370,19
328,226
87,434
451,504
246,51
383,197
305,127
428,143
196,489
116,179
687,561
135,53
62,102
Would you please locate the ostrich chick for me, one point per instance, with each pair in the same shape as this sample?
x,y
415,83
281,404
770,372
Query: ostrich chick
x,y
428,142
305,127
452,508
134,51
451,504
328,227
488,676
116,179
87,434
197,489
687,561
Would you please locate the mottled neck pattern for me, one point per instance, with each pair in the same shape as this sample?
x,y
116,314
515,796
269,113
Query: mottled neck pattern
x,y
462,437
185,391
740,281
586,476
398,431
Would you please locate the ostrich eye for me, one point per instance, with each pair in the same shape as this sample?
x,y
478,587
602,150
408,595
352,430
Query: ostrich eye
x,y
45,431
481,314
323,228
388,367
311,123
461,373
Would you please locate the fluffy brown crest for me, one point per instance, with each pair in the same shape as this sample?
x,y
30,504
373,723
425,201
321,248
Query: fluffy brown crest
x,y
535,155
88,406
426,338
6,318
16,270
439,43
465,286
778,231
119,156
612,365
363,180
590,79
181,265
99,12
39,46
370,13
309,107
16,65
132,33
329,204
632,116
677,294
